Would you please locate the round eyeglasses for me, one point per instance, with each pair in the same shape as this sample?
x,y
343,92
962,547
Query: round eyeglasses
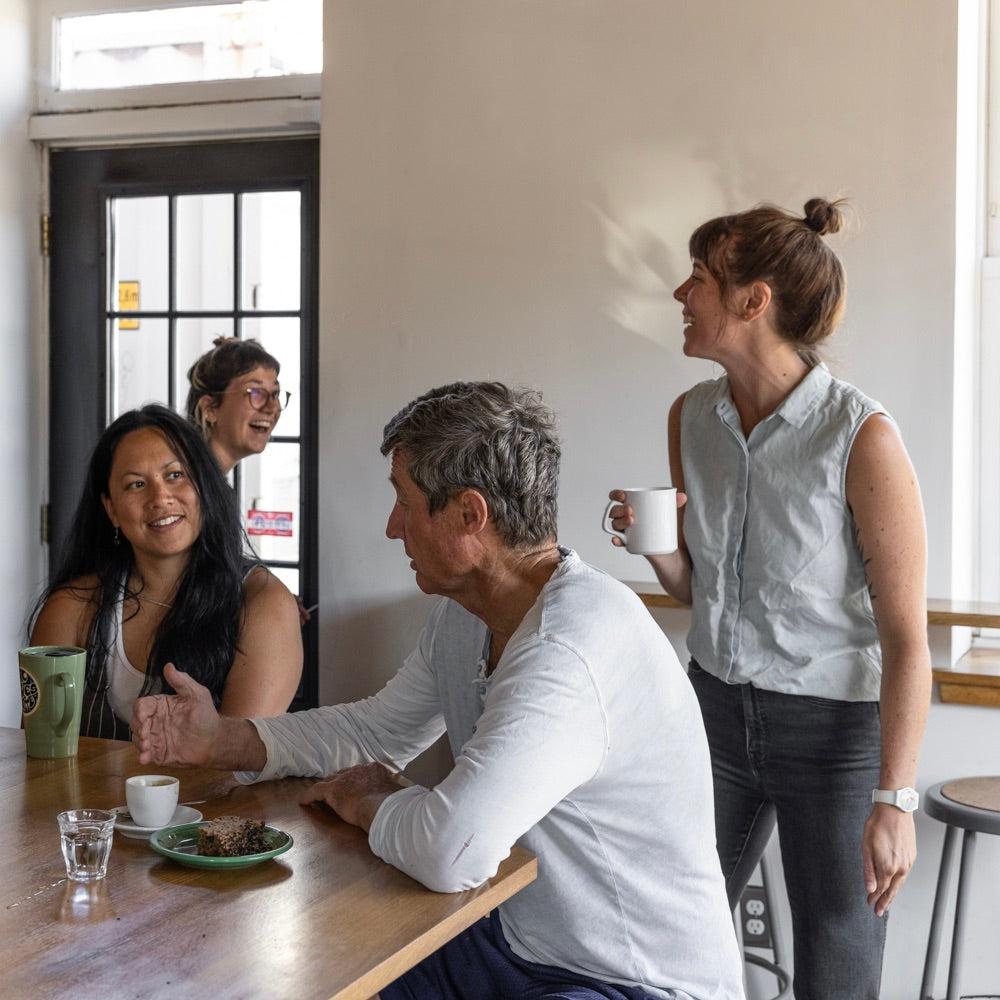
x,y
259,397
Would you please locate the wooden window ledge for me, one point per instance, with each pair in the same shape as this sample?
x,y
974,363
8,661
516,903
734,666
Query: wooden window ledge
x,y
973,680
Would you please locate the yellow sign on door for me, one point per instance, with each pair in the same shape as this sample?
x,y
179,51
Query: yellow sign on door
x,y
128,301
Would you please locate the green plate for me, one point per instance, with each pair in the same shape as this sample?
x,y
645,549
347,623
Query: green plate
x,y
181,844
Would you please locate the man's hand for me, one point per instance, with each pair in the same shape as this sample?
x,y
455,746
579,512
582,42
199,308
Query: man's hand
x,y
176,729
355,793
889,848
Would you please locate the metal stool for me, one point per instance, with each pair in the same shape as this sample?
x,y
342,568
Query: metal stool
x,y
972,805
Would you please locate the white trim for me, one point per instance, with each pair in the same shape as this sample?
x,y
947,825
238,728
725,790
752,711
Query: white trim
x,y
969,475
236,119
304,87
988,315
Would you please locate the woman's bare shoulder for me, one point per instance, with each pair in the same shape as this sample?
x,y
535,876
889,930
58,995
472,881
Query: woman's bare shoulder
x,y
67,613
83,590
262,587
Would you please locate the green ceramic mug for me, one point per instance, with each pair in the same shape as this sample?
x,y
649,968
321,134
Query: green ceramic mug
x,y
52,698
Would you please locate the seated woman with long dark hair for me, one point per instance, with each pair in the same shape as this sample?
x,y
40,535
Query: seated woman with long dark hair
x,y
156,571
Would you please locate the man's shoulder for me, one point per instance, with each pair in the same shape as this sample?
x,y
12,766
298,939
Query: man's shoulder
x,y
580,593
573,572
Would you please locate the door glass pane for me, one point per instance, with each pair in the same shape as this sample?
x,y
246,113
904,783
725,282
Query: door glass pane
x,y
289,577
270,494
193,337
205,257
138,231
272,247
140,363
280,338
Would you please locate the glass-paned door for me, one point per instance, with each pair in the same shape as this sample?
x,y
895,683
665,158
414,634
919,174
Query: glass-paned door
x,y
185,270
173,252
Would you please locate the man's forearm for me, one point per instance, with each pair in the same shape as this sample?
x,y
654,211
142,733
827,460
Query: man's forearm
x,y
238,746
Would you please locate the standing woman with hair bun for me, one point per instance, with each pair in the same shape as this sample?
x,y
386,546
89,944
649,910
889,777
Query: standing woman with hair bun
x,y
802,553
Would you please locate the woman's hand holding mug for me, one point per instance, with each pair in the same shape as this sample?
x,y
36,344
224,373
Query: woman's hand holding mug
x,y
643,519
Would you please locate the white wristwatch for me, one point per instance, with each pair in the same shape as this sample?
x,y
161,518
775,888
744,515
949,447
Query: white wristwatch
x,y
905,799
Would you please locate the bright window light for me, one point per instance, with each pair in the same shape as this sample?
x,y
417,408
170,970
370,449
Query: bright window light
x,y
230,41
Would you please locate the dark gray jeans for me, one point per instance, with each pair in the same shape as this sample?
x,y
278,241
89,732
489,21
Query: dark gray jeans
x,y
812,764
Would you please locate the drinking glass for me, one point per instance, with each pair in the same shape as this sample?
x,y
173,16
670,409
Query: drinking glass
x,y
86,836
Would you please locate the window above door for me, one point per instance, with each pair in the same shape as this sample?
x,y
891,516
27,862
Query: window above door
x,y
103,54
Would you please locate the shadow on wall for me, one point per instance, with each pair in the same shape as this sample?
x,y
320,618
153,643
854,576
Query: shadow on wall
x,y
647,201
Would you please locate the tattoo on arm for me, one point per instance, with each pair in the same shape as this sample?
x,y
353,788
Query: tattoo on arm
x,y
865,561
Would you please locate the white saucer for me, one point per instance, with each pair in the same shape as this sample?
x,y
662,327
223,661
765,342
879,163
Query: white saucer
x,y
126,825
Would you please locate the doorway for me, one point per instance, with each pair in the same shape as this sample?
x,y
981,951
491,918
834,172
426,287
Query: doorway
x,y
155,252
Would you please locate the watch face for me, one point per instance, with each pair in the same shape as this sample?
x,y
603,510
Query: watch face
x,y
908,799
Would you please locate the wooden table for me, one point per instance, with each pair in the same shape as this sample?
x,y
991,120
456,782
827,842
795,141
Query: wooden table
x,y
325,919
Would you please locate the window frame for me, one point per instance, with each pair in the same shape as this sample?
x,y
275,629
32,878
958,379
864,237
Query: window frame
x,y
49,100
986,308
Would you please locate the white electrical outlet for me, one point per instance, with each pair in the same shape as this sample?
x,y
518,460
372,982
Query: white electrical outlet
x,y
756,917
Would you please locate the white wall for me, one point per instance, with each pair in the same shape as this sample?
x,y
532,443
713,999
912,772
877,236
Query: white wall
x,y
508,188
21,355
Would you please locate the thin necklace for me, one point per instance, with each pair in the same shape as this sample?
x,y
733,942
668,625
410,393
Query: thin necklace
x,y
149,600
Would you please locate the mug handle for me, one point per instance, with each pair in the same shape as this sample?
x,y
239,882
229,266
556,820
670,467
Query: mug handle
x,y
66,682
606,520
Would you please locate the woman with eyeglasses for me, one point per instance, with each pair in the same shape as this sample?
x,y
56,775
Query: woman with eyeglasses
x,y
156,571
235,399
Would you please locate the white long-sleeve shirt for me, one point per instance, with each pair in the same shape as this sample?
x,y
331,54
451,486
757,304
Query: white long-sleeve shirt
x,y
586,747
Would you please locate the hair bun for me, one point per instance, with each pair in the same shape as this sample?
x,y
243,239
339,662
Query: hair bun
x,y
822,216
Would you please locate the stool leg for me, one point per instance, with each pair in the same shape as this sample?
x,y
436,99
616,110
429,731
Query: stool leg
x,y
961,909
937,918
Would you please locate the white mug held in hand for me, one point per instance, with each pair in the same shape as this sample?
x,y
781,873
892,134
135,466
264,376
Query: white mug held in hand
x,y
152,799
654,530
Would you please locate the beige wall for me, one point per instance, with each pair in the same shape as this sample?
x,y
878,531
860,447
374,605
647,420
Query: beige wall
x,y
508,191
508,188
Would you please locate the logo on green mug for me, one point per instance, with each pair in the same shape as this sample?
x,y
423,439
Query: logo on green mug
x,y
30,695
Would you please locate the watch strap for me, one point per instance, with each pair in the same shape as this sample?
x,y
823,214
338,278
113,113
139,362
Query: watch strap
x,y
904,799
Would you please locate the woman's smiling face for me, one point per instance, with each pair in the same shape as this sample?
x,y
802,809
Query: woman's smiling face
x,y
705,311
150,496
237,429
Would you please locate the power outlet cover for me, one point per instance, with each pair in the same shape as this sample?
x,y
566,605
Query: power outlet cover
x,y
755,918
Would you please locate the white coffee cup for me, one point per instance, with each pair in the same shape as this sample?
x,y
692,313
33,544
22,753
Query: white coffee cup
x,y
654,531
152,798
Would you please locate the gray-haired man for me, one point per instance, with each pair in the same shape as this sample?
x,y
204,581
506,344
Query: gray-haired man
x,y
574,730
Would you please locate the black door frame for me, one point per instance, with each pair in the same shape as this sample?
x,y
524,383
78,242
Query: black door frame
x,y
81,182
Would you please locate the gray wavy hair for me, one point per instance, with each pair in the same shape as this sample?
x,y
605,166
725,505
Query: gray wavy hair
x,y
490,438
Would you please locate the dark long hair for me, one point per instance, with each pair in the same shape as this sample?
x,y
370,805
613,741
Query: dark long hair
x,y
199,632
